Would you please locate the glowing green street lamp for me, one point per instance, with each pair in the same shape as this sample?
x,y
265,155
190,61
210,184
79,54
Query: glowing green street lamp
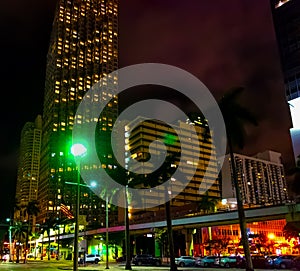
x,y
78,150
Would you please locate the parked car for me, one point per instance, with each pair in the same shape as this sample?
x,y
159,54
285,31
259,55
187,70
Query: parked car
x,y
90,258
146,259
30,255
5,258
258,261
207,261
120,259
284,261
185,261
270,260
217,261
228,261
198,260
296,264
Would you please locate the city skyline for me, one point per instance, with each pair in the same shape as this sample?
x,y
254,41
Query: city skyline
x,y
191,36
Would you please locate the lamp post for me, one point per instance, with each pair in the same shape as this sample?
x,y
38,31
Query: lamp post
x,y
93,184
10,244
78,150
106,224
127,235
10,238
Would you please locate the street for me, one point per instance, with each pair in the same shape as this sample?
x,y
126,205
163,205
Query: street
x,y
67,265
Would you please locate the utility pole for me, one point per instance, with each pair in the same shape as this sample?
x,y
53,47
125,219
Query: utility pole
x,y
106,222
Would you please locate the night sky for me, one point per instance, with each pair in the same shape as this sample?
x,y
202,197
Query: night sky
x,y
223,43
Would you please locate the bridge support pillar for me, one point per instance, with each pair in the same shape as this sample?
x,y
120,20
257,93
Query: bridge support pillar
x,y
293,214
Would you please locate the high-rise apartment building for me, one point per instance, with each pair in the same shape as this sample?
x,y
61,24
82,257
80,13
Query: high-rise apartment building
x,y
198,164
83,48
261,179
29,164
286,18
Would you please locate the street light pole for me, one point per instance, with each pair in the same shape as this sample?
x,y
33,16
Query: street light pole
x,y
127,235
10,243
75,259
10,238
106,224
78,150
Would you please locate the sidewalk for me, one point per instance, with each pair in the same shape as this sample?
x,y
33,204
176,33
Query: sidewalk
x,y
68,264
113,266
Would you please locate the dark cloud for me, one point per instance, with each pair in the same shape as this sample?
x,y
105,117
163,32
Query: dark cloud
x,y
224,44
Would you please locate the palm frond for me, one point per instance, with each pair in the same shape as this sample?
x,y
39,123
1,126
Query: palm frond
x,y
293,171
232,94
245,115
236,116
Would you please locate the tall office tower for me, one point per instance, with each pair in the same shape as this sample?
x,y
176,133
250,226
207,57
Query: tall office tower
x,y
29,165
83,49
286,18
261,179
198,164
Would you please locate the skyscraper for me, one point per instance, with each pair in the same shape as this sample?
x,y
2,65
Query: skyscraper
x,y
194,154
29,164
286,18
83,48
261,179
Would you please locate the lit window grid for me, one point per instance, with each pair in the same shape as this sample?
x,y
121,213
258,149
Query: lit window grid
x,y
143,135
261,182
73,67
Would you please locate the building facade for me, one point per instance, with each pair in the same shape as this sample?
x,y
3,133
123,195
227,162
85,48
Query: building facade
x,y
265,237
83,49
261,179
295,131
193,150
286,18
29,165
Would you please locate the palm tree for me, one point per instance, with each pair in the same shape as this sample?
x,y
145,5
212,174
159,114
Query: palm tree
x,y
17,209
123,177
291,230
31,210
166,171
133,180
235,116
49,224
207,204
20,230
161,238
159,176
